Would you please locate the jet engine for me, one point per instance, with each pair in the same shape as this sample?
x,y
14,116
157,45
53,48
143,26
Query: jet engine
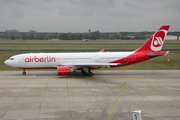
x,y
64,70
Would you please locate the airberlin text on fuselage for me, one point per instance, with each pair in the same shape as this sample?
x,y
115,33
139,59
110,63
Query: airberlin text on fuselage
x,y
41,59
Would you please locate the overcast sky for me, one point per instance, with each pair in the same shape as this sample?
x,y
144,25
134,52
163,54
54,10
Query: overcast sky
x,y
82,15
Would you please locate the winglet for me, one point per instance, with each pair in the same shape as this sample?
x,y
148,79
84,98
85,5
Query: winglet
x,y
102,50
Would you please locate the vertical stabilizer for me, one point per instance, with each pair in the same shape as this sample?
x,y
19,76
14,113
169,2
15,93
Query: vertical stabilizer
x,y
156,41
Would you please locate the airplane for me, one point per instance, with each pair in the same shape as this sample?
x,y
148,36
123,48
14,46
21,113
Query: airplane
x,y
67,63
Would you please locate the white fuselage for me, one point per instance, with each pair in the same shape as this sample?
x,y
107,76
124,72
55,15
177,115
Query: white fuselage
x,y
53,60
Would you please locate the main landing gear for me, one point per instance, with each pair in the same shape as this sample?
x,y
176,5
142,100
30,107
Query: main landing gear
x,y
89,73
24,72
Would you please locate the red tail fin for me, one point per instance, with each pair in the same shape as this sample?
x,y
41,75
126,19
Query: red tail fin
x,y
156,41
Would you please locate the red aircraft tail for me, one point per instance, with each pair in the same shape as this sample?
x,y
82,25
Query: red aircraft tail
x,y
156,41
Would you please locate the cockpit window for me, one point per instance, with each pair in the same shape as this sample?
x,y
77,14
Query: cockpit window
x,y
11,58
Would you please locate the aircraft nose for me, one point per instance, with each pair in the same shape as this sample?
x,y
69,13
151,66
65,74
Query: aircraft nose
x,y
6,62
9,63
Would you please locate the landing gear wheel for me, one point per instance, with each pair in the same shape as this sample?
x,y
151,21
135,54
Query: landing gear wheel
x,y
90,74
85,74
24,73
82,71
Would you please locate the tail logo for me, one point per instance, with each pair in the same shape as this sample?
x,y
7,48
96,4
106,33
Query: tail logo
x,y
158,40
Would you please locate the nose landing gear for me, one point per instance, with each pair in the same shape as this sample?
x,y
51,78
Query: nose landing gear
x,y
24,72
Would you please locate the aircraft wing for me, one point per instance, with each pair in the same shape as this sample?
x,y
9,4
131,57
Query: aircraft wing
x,y
80,65
95,64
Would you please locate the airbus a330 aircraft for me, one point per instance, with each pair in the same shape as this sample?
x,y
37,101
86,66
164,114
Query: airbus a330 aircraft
x,y
66,63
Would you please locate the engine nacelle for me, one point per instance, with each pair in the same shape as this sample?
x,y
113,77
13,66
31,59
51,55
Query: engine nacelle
x,y
64,70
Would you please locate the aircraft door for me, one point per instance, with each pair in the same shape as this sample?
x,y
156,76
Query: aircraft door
x,y
20,59
97,58
133,57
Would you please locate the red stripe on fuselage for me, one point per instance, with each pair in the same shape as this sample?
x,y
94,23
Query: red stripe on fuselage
x,y
136,58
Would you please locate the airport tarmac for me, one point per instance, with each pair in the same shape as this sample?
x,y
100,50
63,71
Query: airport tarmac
x,y
43,95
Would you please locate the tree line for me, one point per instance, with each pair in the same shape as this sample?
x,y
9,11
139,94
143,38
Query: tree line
x,y
79,36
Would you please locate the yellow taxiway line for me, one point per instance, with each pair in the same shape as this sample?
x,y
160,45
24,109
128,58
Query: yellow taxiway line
x,y
122,87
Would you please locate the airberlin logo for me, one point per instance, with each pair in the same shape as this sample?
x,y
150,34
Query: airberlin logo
x,y
40,59
157,40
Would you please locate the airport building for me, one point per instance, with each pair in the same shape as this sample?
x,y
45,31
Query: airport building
x,y
89,31
12,31
32,31
172,37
